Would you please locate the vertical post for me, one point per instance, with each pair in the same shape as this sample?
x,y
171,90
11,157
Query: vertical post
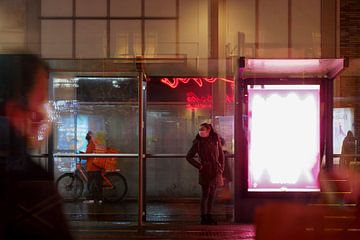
x,y
289,28
238,124
214,53
329,124
217,52
144,84
50,143
74,29
177,27
143,39
257,31
140,142
328,28
108,7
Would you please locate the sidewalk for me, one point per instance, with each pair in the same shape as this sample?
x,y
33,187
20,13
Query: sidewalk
x,y
114,230
157,212
165,220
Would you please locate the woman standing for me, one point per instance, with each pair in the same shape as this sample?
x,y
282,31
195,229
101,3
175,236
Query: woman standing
x,y
210,165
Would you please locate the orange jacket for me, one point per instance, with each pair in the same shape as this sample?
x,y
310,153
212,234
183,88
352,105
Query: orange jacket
x,y
93,163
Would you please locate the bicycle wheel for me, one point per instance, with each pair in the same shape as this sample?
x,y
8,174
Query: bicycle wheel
x,y
119,187
69,186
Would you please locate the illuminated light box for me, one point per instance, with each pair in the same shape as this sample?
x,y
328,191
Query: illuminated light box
x,y
283,138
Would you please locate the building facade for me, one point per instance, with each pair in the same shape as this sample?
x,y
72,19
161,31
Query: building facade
x,y
188,50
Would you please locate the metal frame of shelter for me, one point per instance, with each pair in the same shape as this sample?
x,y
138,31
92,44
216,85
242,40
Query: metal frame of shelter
x,y
320,72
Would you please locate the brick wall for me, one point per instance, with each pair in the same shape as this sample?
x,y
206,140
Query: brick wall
x,y
350,28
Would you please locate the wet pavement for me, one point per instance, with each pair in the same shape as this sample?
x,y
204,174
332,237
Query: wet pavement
x,y
116,230
157,212
165,220
180,220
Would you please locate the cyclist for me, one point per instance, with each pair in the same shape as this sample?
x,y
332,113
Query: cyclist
x,y
93,167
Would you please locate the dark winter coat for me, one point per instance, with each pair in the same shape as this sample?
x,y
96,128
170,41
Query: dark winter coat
x,y
210,161
30,207
348,147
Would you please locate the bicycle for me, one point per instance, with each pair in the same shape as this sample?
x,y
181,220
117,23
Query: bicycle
x,y
71,185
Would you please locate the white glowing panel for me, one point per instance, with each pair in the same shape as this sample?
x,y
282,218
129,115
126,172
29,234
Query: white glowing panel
x,y
284,138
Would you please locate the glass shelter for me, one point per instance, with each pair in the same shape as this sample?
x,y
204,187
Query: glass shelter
x,y
283,129
145,117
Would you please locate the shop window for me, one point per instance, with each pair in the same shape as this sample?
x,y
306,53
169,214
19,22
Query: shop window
x,y
91,40
160,37
124,38
56,38
56,8
160,8
125,8
91,8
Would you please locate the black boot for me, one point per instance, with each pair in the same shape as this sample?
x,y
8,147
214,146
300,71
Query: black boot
x,y
203,219
210,220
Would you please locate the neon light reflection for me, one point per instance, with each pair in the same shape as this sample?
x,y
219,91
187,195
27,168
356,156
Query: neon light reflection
x,y
284,138
174,82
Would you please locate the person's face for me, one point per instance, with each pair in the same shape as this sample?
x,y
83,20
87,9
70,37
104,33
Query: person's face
x,y
32,120
204,132
38,109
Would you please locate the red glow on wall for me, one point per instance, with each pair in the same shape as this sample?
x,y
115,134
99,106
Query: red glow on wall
x,y
174,82
196,102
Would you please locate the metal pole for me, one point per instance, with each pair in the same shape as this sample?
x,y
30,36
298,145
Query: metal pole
x,y
144,83
329,126
50,146
141,125
239,141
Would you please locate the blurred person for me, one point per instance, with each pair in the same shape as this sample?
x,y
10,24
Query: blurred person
x,y
207,147
29,203
93,167
348,148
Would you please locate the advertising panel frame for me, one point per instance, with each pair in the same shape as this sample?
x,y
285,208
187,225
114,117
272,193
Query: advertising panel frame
x,y
320,72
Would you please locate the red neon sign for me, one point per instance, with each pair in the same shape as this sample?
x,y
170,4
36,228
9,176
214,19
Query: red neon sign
x,y
174,82
194,101
198,102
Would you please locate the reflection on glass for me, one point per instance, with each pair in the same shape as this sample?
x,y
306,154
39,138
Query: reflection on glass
x,y
343,122
107,106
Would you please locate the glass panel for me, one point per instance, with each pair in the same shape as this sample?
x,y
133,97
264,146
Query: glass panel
x,y
108,107
54,8
13,26
160,37
160,8
91,41
346,123
273,29
240,38
306,39
181,123
56,38
91,8
194,28
125,8
125,38
176,107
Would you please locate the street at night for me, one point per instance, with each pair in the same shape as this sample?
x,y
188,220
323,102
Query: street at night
x,y
180,119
